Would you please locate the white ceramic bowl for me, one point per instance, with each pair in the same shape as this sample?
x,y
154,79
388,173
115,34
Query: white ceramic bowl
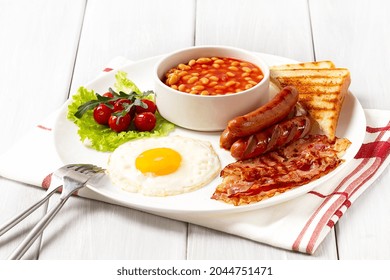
x,y
207,113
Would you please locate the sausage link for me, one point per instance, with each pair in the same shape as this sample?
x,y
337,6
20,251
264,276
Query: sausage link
x,y
269,114
271,138
226,139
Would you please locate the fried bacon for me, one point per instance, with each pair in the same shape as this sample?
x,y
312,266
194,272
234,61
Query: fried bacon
x,y
297,164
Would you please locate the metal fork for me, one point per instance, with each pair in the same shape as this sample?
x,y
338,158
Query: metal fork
x,y
72,178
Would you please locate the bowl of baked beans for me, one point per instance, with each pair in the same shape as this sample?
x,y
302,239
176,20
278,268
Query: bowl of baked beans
x,y
202,88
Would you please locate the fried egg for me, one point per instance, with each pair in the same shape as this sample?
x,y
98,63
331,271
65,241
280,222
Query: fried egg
x,y
162,166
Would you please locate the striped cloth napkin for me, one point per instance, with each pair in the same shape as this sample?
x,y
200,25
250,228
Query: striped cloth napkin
x,y
300,224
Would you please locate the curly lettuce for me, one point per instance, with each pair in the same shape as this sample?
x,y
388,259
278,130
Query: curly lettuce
x,y
124,84
100,137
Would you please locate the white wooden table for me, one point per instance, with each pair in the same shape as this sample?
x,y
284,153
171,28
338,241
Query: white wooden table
x,y
49,48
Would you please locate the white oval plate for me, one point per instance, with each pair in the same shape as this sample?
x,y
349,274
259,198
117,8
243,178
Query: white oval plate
x,y
352,124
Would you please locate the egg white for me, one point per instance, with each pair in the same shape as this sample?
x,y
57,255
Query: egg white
x,y
200,165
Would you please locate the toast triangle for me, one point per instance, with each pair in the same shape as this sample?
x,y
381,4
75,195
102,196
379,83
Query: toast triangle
x,y
321,91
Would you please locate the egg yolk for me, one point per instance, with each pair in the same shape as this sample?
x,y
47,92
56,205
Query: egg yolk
x,y
158,161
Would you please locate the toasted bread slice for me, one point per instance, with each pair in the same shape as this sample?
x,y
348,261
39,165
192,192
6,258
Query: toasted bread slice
x,y
324,64
321,92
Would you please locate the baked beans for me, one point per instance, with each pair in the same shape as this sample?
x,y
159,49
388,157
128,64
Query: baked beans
x,y
213,75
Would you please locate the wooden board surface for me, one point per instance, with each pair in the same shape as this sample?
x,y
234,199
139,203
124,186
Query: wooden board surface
x,y
49,49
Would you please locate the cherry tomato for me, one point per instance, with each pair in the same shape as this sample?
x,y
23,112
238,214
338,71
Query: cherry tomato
x,y
118,106
101,114
119,124
145,121
151,107
108,94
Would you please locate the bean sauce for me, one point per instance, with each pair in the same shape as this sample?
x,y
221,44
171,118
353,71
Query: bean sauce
x,y
213,76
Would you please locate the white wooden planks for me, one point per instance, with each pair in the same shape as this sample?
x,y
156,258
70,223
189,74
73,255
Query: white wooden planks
x,y
87,229
38,47
356,35
37,52
15,198
133,29
261,26
86,34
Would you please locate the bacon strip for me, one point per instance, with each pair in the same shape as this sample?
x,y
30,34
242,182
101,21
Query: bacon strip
x,y
297,164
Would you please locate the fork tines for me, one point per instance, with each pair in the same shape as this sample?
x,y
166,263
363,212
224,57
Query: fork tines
x,y
85,168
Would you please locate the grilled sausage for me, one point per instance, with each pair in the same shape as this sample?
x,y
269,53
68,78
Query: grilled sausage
x,y
269,114
271,138
226,139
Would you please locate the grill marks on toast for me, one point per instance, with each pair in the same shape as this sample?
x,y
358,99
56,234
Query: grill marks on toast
x,y
323,64
321,90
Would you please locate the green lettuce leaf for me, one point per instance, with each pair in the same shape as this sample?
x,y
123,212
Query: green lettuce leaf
x,y
102,138
124,84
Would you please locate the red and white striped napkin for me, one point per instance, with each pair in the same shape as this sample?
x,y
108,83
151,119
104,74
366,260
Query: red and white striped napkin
x,y
300,224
